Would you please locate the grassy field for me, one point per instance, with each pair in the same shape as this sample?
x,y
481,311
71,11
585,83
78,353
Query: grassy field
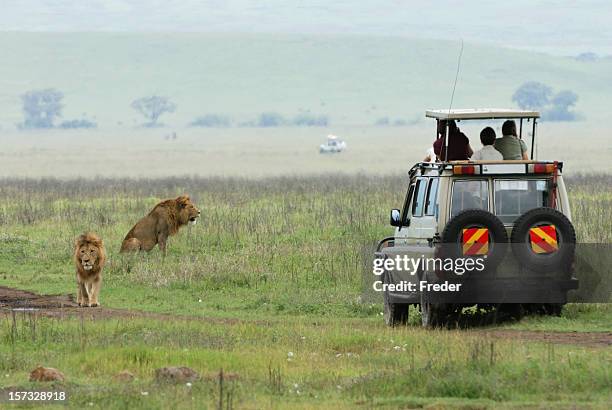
x,y
268,287
259,152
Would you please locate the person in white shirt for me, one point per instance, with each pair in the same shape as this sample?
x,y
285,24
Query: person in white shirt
x,y
430,155
488,151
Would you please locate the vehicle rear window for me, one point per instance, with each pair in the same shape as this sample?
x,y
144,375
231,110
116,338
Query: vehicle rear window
x,y
472,194
513,197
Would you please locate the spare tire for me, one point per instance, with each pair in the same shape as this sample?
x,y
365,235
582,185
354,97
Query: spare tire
x,y
475,233
544,240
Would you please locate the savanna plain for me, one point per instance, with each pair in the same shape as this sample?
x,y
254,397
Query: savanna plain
x,y
268,287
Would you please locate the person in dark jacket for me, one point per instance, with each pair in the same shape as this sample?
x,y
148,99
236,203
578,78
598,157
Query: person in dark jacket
x,y
458,143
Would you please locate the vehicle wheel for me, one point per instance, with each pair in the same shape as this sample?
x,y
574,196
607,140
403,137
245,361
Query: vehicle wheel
x,y
553,309
511,310
432,314
494,246
544,240
394,313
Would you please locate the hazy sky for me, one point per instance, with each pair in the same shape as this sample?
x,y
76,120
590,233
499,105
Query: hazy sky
x,y
560,27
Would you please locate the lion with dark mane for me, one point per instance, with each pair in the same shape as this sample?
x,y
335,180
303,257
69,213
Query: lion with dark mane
x,y
163,221
89,259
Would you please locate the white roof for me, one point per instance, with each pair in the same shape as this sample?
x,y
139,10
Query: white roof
x,y
480,114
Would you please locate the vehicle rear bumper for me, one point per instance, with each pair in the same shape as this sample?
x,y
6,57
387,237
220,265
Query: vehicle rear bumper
x,y
492,290
504,290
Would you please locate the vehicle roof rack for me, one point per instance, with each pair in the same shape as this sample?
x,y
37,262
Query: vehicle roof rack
x,y
481,114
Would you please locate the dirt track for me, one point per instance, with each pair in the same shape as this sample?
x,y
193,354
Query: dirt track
x,y
58,306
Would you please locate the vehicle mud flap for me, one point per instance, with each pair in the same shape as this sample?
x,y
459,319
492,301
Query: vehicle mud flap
x,y
544,241
475,233
394,313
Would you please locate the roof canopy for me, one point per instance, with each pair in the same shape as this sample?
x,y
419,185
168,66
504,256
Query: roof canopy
x,y
480,114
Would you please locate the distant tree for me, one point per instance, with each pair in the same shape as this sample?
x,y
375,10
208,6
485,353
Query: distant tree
x,y
153,107
561,105
532,95
565,99
41,108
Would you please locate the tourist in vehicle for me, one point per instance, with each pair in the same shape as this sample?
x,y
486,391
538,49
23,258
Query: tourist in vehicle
x,y
458,143
430,155
488,151
510,146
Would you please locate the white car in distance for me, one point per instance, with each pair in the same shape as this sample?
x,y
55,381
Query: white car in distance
x,y
333,145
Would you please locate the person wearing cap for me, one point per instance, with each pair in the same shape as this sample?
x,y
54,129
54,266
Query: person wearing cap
x,y
509,144
488,151
458,143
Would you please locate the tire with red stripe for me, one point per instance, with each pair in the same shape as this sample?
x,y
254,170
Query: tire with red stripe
x,y
475,233
544,240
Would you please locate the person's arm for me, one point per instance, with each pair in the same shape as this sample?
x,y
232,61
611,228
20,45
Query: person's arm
x,y
437,147
524,150
469,150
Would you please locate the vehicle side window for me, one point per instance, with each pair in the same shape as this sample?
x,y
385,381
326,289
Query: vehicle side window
x,y
418,202
432,195
407,205
472,194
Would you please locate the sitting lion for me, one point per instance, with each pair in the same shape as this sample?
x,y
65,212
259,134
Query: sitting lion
x,y
164,220
89,258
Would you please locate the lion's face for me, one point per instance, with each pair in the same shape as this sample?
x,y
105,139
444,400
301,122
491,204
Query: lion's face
x,y
187,211
88,255
89,251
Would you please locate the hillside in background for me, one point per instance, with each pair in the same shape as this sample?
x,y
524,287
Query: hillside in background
x,y
561,27
353,80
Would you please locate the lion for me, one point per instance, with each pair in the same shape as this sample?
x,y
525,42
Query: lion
x,y
89,258
164,220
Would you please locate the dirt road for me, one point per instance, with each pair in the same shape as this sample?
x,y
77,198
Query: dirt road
x,y
59,306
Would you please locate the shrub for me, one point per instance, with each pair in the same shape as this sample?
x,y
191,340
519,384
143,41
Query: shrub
x,y
212,121
587,57
270,119
308,120
395,122
274,119
74,124
382,122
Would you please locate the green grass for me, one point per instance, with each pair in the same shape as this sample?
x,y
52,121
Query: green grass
x,y
274,266
332,362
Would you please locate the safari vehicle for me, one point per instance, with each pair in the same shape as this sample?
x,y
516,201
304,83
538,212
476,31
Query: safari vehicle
x,y
514,215
333,145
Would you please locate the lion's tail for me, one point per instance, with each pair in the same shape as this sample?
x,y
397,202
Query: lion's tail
x,y
131,245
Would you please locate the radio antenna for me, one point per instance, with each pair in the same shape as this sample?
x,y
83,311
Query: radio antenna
x,y
456,76
450,106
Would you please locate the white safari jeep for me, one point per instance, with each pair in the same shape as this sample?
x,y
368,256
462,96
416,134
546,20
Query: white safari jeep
x,y
333,145
509,221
